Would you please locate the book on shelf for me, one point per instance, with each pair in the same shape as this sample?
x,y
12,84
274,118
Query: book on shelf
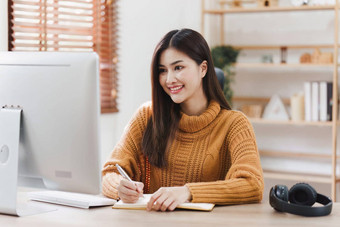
x,y
326,95
142,203
315,101
308,100
318,100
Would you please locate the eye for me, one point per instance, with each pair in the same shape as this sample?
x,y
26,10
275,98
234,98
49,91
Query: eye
x,y
178,67
161,70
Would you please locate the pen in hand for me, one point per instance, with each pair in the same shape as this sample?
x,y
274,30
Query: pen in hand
x,y
124,174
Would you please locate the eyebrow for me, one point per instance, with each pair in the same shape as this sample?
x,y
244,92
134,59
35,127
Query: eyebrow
x,y
173,63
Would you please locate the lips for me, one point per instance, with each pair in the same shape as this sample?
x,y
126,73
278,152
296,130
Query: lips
x,y
176,89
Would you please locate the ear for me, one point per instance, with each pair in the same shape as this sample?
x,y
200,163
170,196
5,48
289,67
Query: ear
x,y
203,68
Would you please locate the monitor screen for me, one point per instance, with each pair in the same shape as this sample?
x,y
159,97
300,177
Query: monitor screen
x,y
59,136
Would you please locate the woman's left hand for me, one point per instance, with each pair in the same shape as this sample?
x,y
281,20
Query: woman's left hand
x,y
168,198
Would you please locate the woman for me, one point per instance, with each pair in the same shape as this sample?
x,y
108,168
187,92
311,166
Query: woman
x,y
187,145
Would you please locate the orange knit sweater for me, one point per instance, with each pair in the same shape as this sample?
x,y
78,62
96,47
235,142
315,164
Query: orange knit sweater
x,y
214,154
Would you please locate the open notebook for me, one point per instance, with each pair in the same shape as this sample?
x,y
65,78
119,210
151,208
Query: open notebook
x,y
142,202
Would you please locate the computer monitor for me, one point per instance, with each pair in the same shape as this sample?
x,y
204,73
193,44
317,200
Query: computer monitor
x,y
59,134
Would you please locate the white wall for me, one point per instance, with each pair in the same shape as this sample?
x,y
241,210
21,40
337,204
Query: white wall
x,y
3,26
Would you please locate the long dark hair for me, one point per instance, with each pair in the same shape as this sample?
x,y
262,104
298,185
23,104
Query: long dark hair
x,y
163,123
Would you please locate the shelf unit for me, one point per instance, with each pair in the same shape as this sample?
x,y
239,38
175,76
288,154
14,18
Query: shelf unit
x,y
333,179
283,65
301,123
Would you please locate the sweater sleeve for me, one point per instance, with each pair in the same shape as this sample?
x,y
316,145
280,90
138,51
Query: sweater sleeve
x,y
127,153
243,182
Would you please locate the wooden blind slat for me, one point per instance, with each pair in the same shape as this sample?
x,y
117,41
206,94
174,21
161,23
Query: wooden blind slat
x,y
26,9
39,19
64,6
37,10
54,39
106,80
61,4
106,99
29,2
75,13
53,46
34,4
78,1
27,30
26,16
52,31
54,26
70,25
82,14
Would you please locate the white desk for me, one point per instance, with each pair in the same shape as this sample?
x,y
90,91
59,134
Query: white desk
x,y
239,215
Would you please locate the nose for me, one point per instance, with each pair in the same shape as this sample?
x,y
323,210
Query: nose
x,y
171,77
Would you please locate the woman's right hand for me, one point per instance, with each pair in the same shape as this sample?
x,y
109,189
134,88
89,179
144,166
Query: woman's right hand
x,y
129,192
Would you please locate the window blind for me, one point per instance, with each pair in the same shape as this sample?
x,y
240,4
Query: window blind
x,y
70,25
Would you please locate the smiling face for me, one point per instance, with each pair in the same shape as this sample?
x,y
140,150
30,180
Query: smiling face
x,y
181,77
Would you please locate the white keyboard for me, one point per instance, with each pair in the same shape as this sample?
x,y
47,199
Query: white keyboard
x,y
71,199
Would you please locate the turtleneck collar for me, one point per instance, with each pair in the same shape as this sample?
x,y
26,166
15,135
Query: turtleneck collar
x,y
196,123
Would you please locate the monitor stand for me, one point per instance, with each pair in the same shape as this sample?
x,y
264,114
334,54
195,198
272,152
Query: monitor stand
x,y
10,117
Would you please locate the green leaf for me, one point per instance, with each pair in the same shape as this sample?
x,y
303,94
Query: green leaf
x,y
223,58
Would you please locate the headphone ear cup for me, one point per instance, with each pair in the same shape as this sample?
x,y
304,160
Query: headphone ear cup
x,y
302,194
278,195
282,192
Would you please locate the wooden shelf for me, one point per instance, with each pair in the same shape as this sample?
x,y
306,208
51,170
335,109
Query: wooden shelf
x,y
298,177
283,65
295,155
267,9
286,101
261,47
259,100
296,123
262,100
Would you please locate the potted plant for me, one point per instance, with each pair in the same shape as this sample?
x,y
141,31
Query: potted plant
x,y
224,57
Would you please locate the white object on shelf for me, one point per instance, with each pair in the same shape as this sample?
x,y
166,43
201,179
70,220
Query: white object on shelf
x,y
315,101
297,107
308,100
275,109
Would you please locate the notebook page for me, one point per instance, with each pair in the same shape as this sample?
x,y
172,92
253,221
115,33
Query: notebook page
x,y
142,203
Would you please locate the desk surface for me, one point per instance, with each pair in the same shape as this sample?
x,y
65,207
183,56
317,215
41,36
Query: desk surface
x,y
241,215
